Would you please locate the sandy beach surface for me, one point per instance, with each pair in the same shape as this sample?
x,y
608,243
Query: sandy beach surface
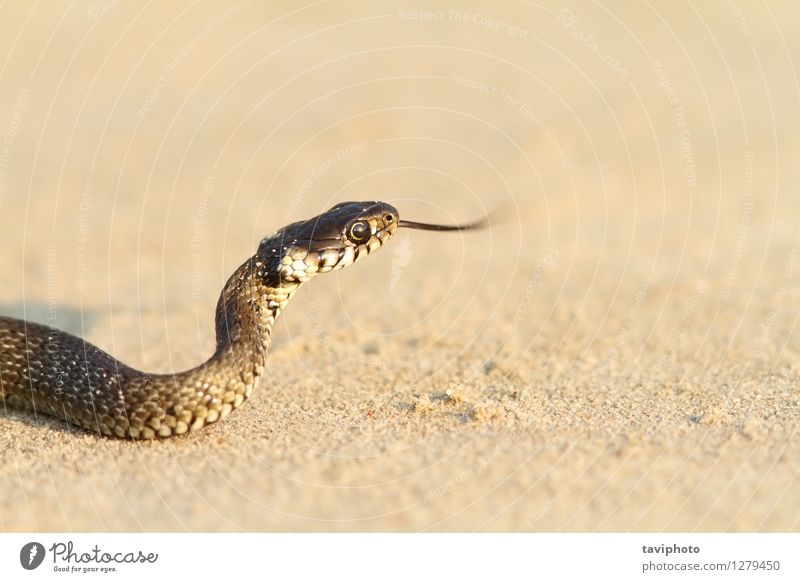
x,y
621,355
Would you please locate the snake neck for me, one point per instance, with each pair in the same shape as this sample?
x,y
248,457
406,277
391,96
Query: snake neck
x,y
250,303
248,307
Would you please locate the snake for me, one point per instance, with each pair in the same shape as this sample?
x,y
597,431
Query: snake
x,y
49,371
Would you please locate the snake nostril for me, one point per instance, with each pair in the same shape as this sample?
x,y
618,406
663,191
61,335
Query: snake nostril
x,y
388,218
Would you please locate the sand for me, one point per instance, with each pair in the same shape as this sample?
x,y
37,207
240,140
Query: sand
x,y
622,355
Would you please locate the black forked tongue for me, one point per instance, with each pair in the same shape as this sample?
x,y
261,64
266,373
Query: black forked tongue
x,y
499,215
481,224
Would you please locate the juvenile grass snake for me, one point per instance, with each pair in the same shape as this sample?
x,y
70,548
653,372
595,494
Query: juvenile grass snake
x,y
52,372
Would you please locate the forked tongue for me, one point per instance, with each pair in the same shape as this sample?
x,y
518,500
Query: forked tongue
x,y
486,222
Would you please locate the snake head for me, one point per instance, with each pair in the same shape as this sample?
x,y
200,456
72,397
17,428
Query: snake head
x,y
333,240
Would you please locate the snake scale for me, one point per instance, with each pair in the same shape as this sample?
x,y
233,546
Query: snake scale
x,y
52,372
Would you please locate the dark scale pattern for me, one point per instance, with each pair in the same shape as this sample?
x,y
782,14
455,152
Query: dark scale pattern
x,y
50,371
53,372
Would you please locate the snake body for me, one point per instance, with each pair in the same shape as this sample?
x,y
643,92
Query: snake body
x,y
53,372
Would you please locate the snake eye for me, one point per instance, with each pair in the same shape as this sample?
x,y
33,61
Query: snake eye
x,y
360,231
388,218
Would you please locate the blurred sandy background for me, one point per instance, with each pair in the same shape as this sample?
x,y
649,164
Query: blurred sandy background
x,y
622,355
